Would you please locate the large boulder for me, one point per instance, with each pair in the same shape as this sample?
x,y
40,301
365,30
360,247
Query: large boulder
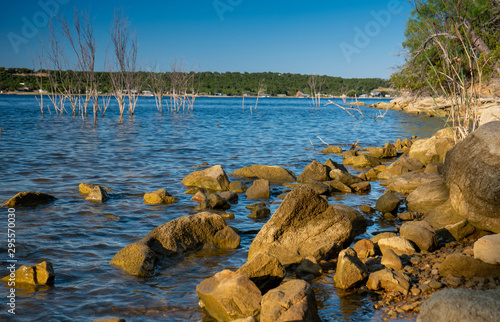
x,y
292,301
462,265
408,182
303,225
487,249
421,233
274,174
213,178
229,296
28,199
350,270
314,171
461,305
399,167
431,150
472,173
428,196
264,270
187,233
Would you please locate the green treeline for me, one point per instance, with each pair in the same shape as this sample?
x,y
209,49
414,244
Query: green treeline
x,y
229,83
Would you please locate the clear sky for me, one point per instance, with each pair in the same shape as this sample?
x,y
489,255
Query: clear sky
x,y
327,37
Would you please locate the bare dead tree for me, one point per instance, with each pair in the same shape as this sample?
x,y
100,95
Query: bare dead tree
x,y
158,83
315,84
82,41
38,61
261,90
124,79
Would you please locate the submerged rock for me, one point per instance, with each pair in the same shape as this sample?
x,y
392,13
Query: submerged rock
x,y
303,225
159,196
461,305
271,173
97,194
292,301
187,233
39,274
472,173
213,178
229,296
29,199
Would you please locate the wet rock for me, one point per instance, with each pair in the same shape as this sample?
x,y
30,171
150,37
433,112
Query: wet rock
x,y
109,319
303,225
487,249
314,171
256,206
137,259
399,167
227,215
194,190
371,175
428,196
407,183
259,189
187,233
350,270
332,165
389,281
158,197
214,201
213,178
367,209
228,296
461,305
309,265
391,260
399,245
465,266
362,161
431,150
98,194
344,177
291,301
388,203
261,212
472,173
230,196
364,248
199,196
264,270
273,174
361,187
40,274
238,186
29,199
338,186
332,149
421,233
86,188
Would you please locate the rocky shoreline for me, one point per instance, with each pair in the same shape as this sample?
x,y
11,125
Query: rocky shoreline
x,y
443,199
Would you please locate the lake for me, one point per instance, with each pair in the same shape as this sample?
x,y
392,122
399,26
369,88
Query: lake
x,y
146,152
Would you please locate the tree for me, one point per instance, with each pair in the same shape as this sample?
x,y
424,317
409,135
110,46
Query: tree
x,y
441,28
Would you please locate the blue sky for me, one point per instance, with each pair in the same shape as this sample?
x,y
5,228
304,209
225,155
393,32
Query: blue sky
x,y
337,38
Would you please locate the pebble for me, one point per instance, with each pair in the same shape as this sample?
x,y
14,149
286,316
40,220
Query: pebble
x,y
415,291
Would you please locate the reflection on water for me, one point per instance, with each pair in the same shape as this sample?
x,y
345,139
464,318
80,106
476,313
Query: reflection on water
x,y
144,153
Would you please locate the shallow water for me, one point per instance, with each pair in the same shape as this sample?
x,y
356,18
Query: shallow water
x,y
144,153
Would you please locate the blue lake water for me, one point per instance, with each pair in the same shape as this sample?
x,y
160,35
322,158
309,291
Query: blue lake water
x,y
146,152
